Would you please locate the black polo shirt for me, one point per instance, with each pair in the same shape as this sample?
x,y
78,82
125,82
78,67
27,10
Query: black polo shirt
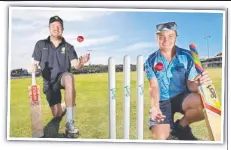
x,y
53,61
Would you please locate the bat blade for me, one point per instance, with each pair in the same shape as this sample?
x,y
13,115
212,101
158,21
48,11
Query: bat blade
x,y
35,109
212,111
210,101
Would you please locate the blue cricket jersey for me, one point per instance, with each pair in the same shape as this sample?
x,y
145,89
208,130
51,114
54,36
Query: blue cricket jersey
x,y
172,79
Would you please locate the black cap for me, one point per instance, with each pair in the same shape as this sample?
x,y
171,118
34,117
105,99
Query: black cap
x,y
56,18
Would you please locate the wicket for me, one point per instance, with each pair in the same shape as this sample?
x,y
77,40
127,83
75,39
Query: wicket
x,y
126,98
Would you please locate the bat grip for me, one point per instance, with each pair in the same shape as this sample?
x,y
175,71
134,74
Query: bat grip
x,y
196,59
199,71
33,73
198,65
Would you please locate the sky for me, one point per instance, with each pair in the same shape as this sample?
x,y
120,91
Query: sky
x,y
110,33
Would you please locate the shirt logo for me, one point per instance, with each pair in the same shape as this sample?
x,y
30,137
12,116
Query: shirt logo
x,y
45,48
159,66
63,50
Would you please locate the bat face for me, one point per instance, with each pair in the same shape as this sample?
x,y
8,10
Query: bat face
x,y
210,101
35,110
212,111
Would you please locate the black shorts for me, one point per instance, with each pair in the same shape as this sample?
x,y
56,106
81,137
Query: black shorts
x,y
169,108
53,91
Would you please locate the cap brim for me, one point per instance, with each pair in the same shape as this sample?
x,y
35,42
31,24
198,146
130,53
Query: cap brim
x,y
164,29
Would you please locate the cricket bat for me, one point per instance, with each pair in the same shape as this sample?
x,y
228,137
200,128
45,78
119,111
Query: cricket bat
x,y
35,108
210,101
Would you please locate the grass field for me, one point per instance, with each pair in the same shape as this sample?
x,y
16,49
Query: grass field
x,y
91,111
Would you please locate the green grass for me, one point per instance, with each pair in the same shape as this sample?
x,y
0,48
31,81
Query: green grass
x,y
92,107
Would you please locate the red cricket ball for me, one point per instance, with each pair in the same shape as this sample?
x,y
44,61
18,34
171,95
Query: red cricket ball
x,y
80,38
159,66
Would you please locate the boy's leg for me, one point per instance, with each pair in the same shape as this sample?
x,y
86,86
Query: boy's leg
x,y
59,109
66,82
193,109
54,100
188,104
161,130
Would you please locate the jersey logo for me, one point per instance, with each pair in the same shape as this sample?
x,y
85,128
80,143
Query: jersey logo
x,y
63,50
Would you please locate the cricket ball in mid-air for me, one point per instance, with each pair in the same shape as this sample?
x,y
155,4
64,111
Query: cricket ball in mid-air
x,y
80,38
159,66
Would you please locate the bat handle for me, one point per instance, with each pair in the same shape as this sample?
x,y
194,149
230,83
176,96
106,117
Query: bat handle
x,y
196,59
33,73
199,71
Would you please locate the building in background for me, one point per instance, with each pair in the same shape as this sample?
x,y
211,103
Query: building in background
x,y
212,62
